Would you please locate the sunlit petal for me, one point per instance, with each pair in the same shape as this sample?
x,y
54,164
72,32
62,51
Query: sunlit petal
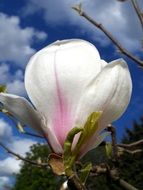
x,y
21,109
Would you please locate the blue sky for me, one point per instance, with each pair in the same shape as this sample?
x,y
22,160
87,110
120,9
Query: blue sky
x,y
27,26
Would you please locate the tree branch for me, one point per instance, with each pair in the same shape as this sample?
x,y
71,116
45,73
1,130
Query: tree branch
x,y
75,183
131,145
138,11
114,141
108,34
125,184
22,158
33,135
132,151
113,174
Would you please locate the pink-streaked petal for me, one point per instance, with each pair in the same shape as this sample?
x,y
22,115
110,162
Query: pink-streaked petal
x,y
51,137
55,80
93,143
110,93
21,109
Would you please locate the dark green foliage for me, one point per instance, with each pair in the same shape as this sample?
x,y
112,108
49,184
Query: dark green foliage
x,y
134,134
101,182
33,178
132,165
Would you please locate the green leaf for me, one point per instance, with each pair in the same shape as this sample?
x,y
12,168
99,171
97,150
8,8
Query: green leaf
x,y
2,88
68,157
89,129
108,148
85,172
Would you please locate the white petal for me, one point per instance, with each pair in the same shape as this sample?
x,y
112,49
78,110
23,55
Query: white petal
x,y
53,141
95,141
103,63
55,80
51,137
122,94
110,92
22,110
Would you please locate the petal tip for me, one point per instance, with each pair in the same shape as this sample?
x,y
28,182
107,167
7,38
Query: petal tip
x,y
120,62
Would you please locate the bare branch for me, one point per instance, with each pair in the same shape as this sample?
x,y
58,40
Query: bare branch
x,y
126,185
32,134
113,174
22,158
138,11
75,183
108,34
131,145
114,141
133,151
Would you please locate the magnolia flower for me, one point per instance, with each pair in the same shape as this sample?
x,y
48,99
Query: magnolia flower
x,y
66,82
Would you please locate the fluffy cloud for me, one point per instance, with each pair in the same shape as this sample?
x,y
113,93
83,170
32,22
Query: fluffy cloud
x,y
15,41
16,87
13,80
24,143
5,130
3,181
119,18
15,48
10,165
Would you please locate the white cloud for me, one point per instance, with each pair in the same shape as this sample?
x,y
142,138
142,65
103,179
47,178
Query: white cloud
x,y
119,18
10,165
13,81
15,41
16,87
5,130
3,181
21,146
15,48
4,73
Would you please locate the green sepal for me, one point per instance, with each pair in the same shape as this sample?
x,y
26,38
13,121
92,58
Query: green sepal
x,y
2,88
85,172
108,149
89,129
68,157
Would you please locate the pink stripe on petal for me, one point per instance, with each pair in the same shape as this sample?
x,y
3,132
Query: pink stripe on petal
x,y
62,121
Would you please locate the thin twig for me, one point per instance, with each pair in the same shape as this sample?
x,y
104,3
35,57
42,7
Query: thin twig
x,y
125,185
113,174
114,141
22,158
75,183
32,134
131,145
138,11
133,151
108,34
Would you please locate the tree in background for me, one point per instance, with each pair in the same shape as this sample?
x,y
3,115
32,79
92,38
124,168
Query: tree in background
x,y
132,165
34,178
